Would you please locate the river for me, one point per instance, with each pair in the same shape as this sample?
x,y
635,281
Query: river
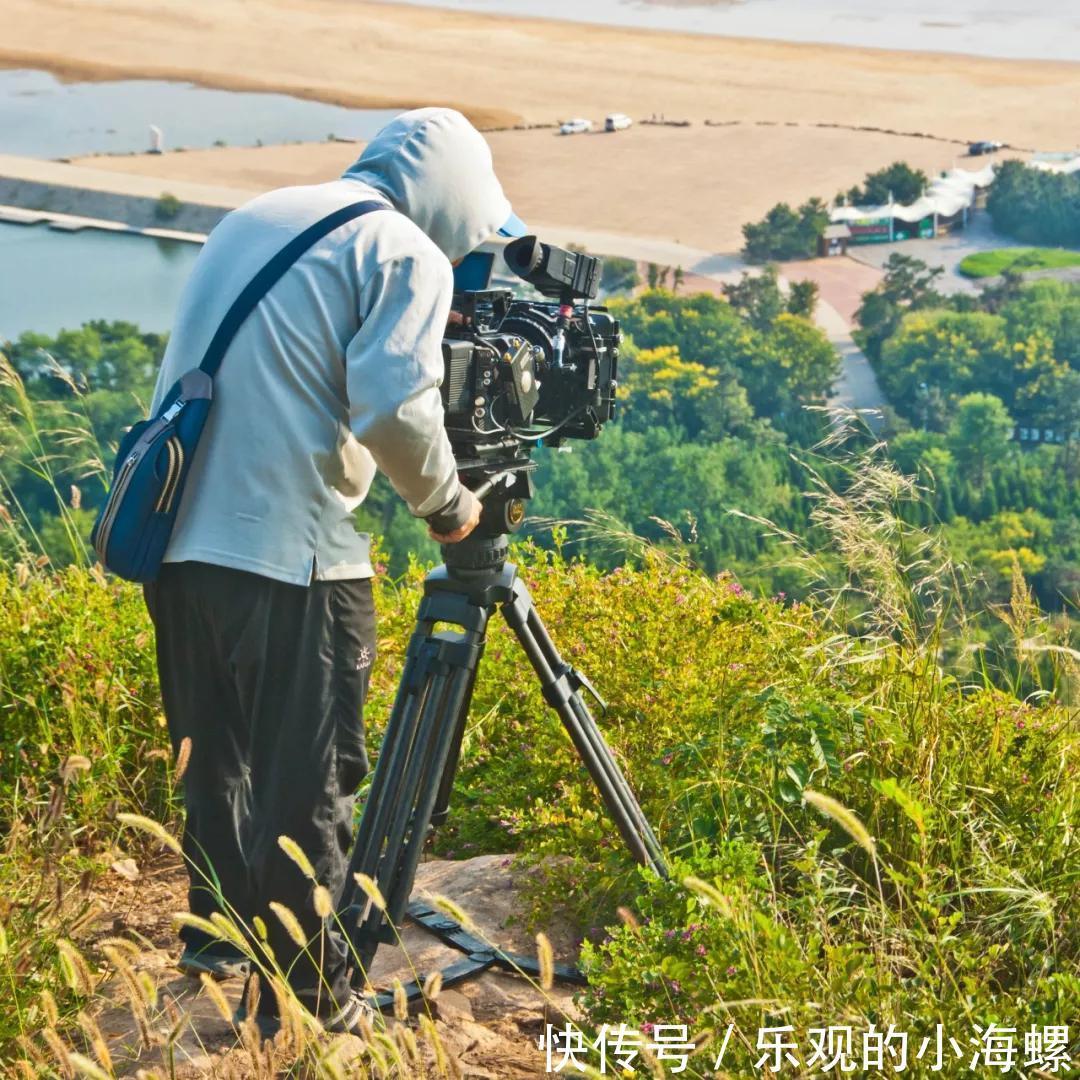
x,y
1035,29
40,116
54,280
51,279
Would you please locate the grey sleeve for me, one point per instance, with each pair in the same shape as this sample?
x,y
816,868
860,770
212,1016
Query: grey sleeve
x,y
394,368
453,515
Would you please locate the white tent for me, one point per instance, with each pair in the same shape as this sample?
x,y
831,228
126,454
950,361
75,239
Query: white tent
x,y
945,196
1064,163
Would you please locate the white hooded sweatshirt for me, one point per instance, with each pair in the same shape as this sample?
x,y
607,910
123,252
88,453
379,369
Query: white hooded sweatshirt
x,y
337,371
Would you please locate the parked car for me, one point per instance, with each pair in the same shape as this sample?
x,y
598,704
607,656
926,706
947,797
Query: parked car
x,y
575,126
984,146
617,121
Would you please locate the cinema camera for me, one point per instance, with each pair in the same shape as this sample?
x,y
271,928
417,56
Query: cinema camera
x,y
520,373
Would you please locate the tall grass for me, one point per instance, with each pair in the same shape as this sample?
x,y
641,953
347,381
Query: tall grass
x,y
871,816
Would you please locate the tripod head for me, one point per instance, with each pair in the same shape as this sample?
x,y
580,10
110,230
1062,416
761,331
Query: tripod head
x,y
485,549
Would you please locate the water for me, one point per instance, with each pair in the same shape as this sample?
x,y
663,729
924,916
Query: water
x,y
43,117
1040,29
54,280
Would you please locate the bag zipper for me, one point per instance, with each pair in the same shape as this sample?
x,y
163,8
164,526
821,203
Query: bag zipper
x,y
123,478
115,497
172,479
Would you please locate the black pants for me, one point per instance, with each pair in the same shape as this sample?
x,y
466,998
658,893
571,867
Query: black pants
x,y
268,682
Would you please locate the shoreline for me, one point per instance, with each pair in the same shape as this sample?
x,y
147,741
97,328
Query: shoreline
x,y
74,70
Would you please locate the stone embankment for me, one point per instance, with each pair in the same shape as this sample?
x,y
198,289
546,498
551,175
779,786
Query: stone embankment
x,y
138,202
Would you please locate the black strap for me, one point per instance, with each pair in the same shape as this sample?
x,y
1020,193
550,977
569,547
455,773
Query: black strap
x,y
268,276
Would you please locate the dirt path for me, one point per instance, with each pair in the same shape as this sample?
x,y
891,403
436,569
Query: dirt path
x,y
489,1025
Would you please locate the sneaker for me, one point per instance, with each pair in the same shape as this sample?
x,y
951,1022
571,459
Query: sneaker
x,y
342,1021
196,962
348,1017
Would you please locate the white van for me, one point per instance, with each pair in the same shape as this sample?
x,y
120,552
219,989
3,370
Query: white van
x,y
617,121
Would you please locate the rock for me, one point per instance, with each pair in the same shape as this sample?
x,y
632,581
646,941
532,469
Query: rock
x,y
127,868
489,1024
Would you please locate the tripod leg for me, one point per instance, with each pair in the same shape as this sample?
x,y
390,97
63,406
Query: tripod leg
x,y
442,801
421,735
562,692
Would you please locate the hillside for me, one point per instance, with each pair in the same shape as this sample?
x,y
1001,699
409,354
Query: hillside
x,y
858,837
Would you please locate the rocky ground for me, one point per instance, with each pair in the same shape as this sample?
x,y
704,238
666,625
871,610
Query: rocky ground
x,y
489,1026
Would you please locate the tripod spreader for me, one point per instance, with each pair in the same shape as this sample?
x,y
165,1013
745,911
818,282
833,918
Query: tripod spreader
x,y
411,785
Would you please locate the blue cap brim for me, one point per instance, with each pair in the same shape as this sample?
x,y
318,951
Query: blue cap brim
x,y
514,226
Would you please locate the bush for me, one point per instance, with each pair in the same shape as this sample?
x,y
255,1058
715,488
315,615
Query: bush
x,y
167,207
725,712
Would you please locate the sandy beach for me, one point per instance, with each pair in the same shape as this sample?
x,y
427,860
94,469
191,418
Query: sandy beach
x,y
692,185
696,184
497,68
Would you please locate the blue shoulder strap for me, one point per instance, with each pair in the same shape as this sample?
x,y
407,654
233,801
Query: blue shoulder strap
x,y
266,278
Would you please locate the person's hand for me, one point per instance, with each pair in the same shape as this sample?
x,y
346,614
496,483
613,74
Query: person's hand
x,y
459,534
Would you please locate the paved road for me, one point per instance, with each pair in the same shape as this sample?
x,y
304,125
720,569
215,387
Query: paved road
x,y
945,251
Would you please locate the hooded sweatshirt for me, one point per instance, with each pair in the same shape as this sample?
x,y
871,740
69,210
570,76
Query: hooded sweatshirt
x,y
337,371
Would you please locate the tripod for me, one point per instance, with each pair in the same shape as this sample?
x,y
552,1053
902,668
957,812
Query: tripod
x,y
410,788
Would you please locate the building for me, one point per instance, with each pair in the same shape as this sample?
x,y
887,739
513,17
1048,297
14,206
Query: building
x,y
944,206
834,240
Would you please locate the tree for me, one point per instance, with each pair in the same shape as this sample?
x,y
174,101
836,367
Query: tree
x,y
908,285
1036,206
979,433
803,298
785,233
619,275
899,180
954,354
757,297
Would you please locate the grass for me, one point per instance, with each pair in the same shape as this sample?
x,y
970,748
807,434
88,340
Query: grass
x,y
866,823
985,264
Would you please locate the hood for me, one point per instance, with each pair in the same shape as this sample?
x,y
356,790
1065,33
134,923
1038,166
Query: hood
x,y
435,168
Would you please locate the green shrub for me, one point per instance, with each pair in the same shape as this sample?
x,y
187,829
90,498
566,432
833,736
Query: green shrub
x,y
167,207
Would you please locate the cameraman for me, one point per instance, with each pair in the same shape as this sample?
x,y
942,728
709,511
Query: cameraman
x,y
263,609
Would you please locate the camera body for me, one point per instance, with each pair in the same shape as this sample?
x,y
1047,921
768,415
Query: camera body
x,y
522,373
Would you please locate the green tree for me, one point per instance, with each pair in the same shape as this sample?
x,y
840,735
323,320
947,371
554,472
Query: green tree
x,y
908,285
802,298
757,297
1035,206
979,433
785,233
899,180
619,275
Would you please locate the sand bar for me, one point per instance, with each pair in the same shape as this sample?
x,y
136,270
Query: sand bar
x,y
692,185
502,69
